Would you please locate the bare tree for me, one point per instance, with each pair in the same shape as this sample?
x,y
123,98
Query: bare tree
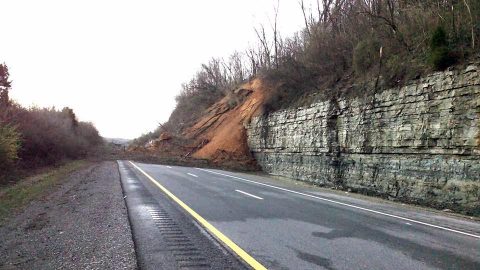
x,y
265,55
324,10
385,10
275,33
235,70
472,24
252,57
307,27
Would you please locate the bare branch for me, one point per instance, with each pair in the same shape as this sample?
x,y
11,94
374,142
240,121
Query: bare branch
x,y
307,28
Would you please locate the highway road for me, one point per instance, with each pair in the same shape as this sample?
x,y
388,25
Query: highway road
x,y
234,220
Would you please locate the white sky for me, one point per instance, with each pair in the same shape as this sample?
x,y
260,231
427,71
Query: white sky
x,y
119,64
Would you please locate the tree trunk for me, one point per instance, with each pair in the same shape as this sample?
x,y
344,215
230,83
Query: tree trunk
x,y
471,23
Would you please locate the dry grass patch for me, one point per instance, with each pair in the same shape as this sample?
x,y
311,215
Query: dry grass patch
x,y
15,198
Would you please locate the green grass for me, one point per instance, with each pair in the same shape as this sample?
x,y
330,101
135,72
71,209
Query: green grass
x,y
16,197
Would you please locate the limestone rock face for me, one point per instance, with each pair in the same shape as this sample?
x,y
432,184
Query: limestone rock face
x,y
419,142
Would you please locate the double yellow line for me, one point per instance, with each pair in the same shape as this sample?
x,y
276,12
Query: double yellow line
x,y
234,247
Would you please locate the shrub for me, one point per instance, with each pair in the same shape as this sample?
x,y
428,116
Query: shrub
x,y
9,145
49,136
440,55
365,55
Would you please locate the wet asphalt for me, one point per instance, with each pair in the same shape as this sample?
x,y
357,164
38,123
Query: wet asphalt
x,y
166,237
287,230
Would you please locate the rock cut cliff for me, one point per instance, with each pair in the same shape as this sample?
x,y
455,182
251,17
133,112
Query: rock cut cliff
x,y
418,143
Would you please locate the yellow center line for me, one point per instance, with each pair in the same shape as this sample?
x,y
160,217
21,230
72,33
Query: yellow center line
x,y
234,247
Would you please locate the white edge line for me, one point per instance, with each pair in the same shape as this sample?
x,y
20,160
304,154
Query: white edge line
x,y
346,204
191,174
169,167
248,194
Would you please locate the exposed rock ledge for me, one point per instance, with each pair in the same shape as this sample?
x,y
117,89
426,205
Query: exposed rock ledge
x,y
419,143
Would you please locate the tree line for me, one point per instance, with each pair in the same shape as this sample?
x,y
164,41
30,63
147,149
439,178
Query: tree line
x,y
36,137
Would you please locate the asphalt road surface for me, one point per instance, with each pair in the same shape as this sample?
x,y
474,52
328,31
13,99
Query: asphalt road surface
x,y
235,220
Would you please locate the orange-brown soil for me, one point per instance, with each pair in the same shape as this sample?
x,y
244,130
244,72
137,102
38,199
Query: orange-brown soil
x,y
219,136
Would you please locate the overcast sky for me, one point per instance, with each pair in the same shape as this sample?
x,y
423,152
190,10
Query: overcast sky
x,y
120,64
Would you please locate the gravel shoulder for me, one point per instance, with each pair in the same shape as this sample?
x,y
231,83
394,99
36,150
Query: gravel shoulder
x,y
83,224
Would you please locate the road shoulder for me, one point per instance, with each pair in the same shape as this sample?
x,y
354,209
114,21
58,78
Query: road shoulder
x,y
82,224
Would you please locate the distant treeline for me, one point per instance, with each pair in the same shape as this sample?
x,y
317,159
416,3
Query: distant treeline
x,y
36,137
379,43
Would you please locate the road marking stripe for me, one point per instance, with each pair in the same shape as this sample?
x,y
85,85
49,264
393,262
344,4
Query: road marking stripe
x,y
248,194
346,204
191,174
169,167
234,247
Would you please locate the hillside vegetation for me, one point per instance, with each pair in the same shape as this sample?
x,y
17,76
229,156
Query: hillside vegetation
x,y
35,137
347,47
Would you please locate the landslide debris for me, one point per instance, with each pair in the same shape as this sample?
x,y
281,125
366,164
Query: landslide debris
x,y
219,136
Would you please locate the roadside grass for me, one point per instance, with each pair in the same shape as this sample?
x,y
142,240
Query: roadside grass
x,y
16,197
